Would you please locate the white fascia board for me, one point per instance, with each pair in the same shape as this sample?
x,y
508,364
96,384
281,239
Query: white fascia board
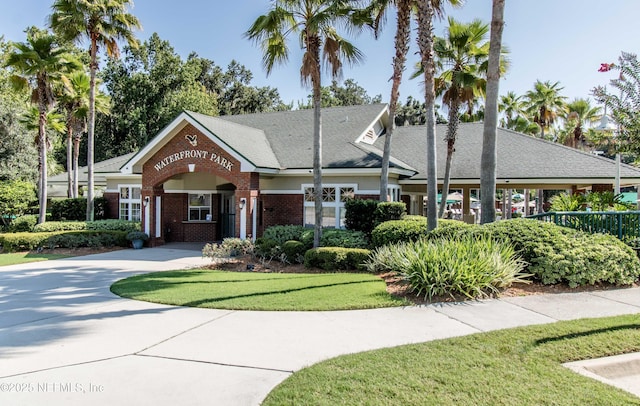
x,y
529,181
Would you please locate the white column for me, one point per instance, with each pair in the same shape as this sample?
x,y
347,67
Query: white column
x,y
147,212
243,221
158,216
254,218
617,184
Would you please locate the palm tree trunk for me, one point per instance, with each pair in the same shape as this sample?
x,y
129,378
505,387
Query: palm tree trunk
x,y
317,145
452,130
42,147
399,60
425,44
76,154
489,146
91,128
69,160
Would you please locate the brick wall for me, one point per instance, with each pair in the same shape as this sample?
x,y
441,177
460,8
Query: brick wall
x,y
281,209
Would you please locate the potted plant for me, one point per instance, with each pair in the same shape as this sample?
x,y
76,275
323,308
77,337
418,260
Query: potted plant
x,y
137,239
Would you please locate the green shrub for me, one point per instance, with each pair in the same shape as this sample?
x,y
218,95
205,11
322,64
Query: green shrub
x,y
280,234
394,231
51,226
389,211
450,229
68,209
99,225
471,266
266,248
114,225
336,258
333,237
559,254
360,215
62,239
230,247
24,223
294,251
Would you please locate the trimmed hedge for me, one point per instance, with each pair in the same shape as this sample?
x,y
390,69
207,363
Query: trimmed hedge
x,y
556,254
294,251
336,258
99,225
62,239
559,254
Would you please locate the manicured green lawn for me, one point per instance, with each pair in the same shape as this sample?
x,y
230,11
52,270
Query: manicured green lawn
x,y
519,366
14,258
259,291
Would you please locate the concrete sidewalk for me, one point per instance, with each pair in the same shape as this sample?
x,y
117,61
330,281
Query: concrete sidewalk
x,y
65,339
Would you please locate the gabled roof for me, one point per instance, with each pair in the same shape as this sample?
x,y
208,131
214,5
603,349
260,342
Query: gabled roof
x,y
520,156
112,165
290,135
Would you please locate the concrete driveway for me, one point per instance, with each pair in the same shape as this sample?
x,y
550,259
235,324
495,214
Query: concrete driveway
x,y
65,339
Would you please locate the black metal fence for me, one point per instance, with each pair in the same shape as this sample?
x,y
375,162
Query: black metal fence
x,y
623,224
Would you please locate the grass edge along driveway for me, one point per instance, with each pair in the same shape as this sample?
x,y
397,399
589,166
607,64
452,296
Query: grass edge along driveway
x,y
15,258
520,366
259,291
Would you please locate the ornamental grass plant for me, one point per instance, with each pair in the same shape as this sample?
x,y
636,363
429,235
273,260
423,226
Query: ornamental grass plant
x,y
474,267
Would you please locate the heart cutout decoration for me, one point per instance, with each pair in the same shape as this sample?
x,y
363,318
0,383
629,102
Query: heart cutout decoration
x,y
192,138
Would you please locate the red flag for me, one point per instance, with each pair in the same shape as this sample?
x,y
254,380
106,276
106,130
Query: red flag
x,y
606,67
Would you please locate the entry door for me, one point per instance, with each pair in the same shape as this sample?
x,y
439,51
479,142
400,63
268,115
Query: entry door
x,y
227,215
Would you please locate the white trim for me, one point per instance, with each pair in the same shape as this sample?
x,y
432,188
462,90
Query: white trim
x,y
301,191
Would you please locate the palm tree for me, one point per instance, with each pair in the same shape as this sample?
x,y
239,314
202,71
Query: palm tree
x,y
580,112
512,106
314,21
426,11
402,36
545,103
103,22
38,64
461,59
489,146
74,100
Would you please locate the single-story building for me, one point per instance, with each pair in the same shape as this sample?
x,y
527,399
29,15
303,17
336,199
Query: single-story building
x,y
205,178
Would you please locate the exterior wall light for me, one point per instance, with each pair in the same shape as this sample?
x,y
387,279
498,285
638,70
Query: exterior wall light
x,y
192,167
145,201
243,202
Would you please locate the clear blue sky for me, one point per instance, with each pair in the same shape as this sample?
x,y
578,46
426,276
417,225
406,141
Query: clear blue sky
x,y
556,40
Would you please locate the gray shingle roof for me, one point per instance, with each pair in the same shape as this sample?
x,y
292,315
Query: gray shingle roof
x,y
519,156
290,135
249,141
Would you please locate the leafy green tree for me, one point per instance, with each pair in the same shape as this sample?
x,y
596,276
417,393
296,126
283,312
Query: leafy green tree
x,y
623,100
489,147
314,21
18,154
38,63
347,94
545,104
16,197
103,23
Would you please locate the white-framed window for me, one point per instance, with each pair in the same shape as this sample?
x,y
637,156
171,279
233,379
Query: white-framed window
x,y
333,211
130,203
199,207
